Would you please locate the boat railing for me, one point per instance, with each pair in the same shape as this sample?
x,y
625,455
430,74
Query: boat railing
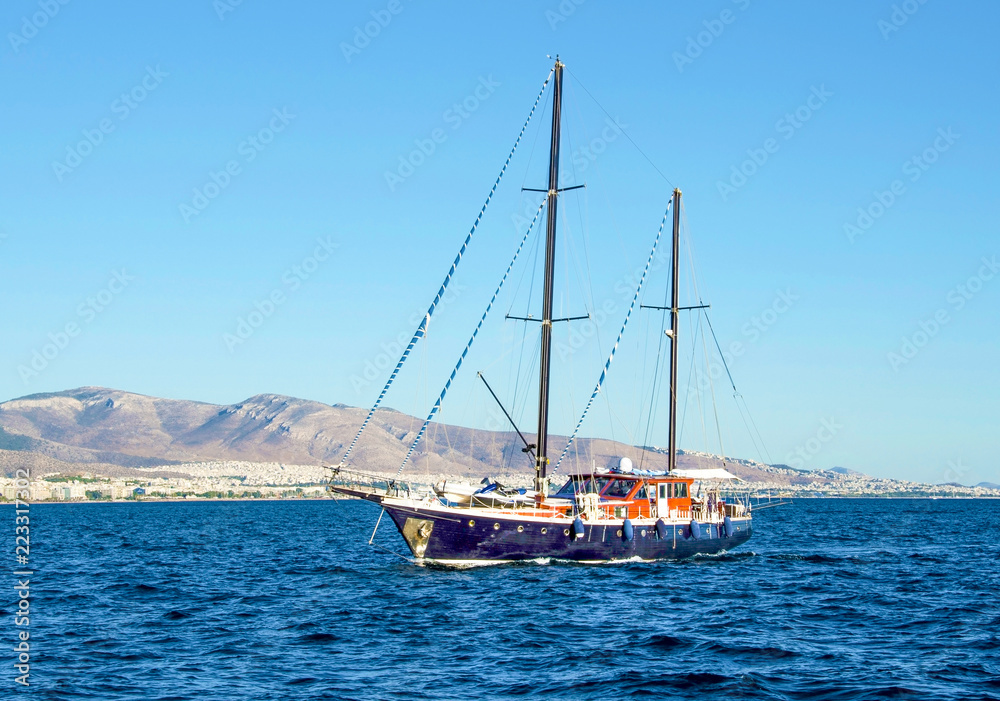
x,y
591,507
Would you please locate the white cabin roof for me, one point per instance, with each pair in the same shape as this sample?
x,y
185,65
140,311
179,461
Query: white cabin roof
x,y
715,473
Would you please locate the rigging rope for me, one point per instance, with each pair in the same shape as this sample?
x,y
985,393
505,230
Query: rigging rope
x,y
607,365
422,328
461,358
619,126
737,396
654,397
715,407
691,379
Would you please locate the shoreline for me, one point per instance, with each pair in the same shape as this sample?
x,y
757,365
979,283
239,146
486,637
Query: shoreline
x,y
337,499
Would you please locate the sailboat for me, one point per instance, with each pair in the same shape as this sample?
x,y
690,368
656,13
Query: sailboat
x,y
597,515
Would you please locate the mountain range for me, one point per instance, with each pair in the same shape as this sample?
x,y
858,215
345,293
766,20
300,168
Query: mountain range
x,y
111,433
116,434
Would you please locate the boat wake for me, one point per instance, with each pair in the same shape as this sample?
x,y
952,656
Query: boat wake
x,y
724,556
546,561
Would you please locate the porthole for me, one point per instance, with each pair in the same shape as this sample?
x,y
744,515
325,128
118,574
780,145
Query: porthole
x,y
565,531
544,530
642,533
619,532
496,526
520,529
471,523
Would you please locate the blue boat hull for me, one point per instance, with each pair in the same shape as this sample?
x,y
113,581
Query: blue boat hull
x,y
467,536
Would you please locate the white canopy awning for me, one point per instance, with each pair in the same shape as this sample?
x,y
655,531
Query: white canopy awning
x,y
715,473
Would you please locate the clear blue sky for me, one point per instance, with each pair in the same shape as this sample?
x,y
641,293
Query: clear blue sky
x,y
173,92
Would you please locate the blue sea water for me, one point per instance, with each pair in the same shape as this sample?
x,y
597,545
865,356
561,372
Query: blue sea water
x,y
831,599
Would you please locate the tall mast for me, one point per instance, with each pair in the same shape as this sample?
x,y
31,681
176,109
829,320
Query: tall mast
x,y
674,314
542,460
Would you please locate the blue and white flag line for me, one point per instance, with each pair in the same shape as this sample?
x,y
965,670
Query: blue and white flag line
x,y
461,358
607,365
422,328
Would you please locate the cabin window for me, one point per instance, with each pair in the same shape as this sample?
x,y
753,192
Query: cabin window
x,y
595,485
619,489
641,494
674,490
581,485
570,488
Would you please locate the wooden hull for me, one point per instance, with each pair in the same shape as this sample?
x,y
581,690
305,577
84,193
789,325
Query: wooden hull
x,y
460,536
